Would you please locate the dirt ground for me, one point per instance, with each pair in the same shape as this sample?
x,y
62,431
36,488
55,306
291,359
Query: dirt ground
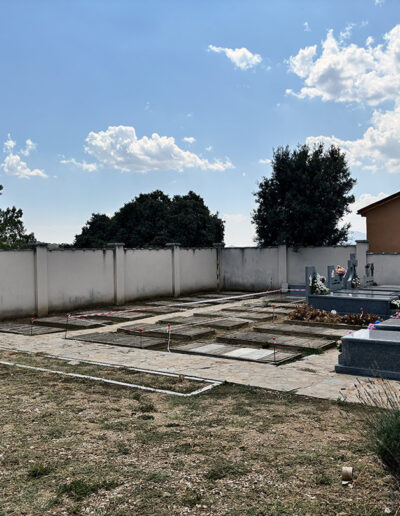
x,y
73,446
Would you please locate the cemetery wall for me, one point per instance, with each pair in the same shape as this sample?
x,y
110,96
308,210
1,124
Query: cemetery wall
x,y
198,270
387,267
320,257
250,268
77,278
147,273
17,283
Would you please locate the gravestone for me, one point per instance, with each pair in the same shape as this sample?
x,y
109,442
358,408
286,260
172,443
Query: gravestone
x,y
334,279
310,273
368,278
351,273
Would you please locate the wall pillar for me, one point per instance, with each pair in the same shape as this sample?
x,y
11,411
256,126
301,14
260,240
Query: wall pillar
x,y
41,280
176,268
219,247
362,247
119,271
282,268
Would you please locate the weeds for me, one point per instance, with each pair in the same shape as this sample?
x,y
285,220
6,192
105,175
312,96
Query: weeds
x,y
308,313
38,469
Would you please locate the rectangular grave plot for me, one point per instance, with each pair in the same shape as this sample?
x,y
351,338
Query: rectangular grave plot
x,y
127,316
82,323
178,320
27,329
119,339
253,316
227,324
238,353
389,325
371,353
160,310
300,330
186,333
217,315
281,342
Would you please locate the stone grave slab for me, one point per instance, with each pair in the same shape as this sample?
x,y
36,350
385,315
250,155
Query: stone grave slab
x,y
389,325
230,323
160,310
156,330
237,353
280,342
371,353
252,315
58,321
127,316
301,330
119,339
27,329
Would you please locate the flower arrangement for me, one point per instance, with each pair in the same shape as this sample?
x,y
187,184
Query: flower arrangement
x,y
340,270
395,304
355,282
318,285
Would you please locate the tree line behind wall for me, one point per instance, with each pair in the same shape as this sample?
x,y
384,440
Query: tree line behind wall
x,y
153,220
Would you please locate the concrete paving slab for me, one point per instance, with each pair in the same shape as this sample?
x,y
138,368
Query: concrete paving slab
x,y
230,323
155,330
126,316
26,329
119,339
58,321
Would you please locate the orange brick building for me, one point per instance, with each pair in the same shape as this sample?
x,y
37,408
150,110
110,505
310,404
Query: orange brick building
x,y
383,224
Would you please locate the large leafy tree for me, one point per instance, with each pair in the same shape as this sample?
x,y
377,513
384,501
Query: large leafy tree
x,y
303,201
12,230
153,220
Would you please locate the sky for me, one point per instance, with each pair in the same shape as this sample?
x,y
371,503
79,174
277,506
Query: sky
x,y
101,101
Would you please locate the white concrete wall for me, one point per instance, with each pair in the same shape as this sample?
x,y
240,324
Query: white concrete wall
x,y
387,267
148,273
198,269
79,278
17,283
320,257
249,268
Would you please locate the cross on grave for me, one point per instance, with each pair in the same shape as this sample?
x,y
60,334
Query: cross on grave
x,y
310,273
368,278
351,273
334,280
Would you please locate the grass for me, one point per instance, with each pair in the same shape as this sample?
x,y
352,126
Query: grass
x,y
79,447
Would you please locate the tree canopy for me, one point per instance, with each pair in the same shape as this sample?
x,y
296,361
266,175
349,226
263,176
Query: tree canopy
x,y
12,230
153,220
303,201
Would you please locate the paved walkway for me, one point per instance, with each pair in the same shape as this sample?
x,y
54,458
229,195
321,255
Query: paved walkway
x,y
312,376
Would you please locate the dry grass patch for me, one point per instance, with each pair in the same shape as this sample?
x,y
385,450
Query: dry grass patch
x,y
75,447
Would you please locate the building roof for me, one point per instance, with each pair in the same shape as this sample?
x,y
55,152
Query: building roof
x,y
366,209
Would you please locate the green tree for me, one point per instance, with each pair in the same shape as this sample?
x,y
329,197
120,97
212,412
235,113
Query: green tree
x,y
12,230
153,220
305,198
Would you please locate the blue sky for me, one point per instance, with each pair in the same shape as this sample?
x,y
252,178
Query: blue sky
x,y
103,100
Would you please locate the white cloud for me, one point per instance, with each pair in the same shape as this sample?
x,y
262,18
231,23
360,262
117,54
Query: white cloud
x,y
209,148
239,231
357,222
29,147
240,57
347,32
379,2
379,146
13,164
89,167
350,73
189,139
306,27
264,161
119,148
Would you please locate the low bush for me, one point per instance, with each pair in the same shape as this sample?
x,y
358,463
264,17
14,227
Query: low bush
x,y
382,421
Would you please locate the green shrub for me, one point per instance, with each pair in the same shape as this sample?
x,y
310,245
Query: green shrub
x,y
382,421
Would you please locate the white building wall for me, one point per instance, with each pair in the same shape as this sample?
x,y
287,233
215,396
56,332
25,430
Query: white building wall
x,y
80,277
387,267
198,269
17,283
249,268
320,257
148,273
